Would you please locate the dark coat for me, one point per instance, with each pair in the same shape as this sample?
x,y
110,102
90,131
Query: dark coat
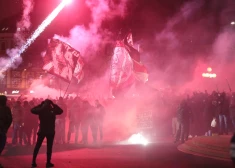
x,y
63,106
76,112
30,120
5,119
225,107
232,108
184,114
47,115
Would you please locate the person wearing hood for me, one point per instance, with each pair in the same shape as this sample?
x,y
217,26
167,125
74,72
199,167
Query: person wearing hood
x,y
5,122
47,112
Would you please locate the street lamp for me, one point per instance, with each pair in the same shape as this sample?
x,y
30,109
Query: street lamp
x,y
209,69
232,23
209,73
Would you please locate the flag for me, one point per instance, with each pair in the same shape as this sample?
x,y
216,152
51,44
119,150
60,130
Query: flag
x,y
139,70
129,39
78,72
126,66
121,66
62,60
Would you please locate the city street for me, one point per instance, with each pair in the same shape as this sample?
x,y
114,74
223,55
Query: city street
x,y
163,153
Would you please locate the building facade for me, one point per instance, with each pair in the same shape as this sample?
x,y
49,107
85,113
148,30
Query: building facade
x,y
15,81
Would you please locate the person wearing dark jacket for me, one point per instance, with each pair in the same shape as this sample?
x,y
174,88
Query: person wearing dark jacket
x,y
223,114
30,120
18,120
184,117
232,149
75,116
208,115
97,121
232,110
86,121
47,112
5,121
60,123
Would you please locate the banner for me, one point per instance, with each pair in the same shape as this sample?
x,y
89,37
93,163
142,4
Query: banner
x,y
121,65
144,119
62,60
126,65
78,72
140,71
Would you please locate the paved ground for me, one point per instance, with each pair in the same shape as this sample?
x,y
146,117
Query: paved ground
x,y
163,153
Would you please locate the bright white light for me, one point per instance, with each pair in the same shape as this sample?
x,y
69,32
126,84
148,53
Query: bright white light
x,y
209,69
31,91
67,2
15,92
232,23
35,34
209,75
138,139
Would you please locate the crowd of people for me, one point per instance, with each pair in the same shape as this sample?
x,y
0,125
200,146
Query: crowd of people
x,y
204,114
47,119
80,113
196,115
199,114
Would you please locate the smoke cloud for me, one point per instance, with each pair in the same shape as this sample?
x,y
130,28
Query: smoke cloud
x,y
24,24
23,27
193,39
42,91
91,41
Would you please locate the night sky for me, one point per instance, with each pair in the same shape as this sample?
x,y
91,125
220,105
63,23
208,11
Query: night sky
x,y
145,18
149,20
142,16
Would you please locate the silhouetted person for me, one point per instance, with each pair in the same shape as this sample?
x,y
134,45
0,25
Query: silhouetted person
x,y
97,121
75,117
232,111
232,149
86,120
47,112
5,121
18,120
93,120
60,122
35,124
183,117
30,123
223,114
